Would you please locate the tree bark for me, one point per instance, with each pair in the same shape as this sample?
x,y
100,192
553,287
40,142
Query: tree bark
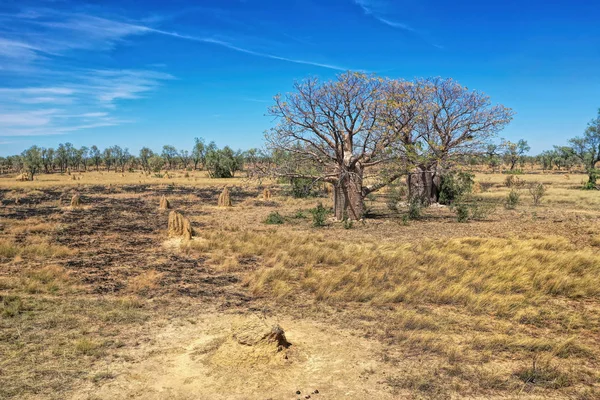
x,y
339,201
424,183
348,194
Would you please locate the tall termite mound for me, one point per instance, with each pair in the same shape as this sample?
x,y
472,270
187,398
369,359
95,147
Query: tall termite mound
x,y
267,194
224,198
75,200
164,203
179,226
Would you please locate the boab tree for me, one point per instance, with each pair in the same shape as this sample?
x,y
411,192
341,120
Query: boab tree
x,y
455,121
334,132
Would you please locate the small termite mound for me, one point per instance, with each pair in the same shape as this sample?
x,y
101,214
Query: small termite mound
x,y
179,226
224,198
253,343
267,194
255,332
164,203
75,200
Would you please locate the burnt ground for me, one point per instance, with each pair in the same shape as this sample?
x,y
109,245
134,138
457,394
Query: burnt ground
x,y
119,233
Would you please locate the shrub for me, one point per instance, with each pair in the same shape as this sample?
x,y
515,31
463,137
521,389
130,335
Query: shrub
x,y
303,188
591,183
455,185
513,181
347,223
462,212
299,214
537,191
415,207
274,219
512,200
396,194
319,214
481,211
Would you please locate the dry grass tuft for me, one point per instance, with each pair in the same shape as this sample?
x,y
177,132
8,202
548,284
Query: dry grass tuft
x,y
224,198
179,226
266,194
144,282
41,250
76,200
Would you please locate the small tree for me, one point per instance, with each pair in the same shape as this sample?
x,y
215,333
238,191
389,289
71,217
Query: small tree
x,y
514,152
155,163
108,157
587,149
95,156
537,191
145,154
32,161
198,152
169,154
48,159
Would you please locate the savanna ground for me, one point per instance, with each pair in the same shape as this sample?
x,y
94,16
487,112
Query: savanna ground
x,y
96,302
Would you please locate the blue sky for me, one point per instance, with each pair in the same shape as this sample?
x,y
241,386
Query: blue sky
x,y
150,73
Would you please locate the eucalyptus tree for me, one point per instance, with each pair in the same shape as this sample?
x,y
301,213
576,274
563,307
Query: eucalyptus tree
x,y
145,155
587,149
95,156
48,159
169,153
515,152
198,152
32,161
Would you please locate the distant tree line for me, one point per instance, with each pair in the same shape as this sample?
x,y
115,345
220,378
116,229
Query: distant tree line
x,y
218,162
357,132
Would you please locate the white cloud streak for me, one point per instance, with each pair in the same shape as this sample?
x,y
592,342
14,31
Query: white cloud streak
x,y
36,40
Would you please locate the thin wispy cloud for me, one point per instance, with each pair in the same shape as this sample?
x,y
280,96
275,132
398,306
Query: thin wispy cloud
x,y
378,9
37,45
91,97
381,10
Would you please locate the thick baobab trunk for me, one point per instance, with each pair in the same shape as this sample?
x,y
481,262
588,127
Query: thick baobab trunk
x,y
348,195
424,184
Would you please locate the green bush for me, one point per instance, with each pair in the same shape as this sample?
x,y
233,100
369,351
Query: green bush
x,y
481,211
462,212
512,200
593,178
299,214
415,207
303,188
274,219
319,214
455,185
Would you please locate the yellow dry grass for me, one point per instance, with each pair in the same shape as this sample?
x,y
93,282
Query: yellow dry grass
x,y
195,178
